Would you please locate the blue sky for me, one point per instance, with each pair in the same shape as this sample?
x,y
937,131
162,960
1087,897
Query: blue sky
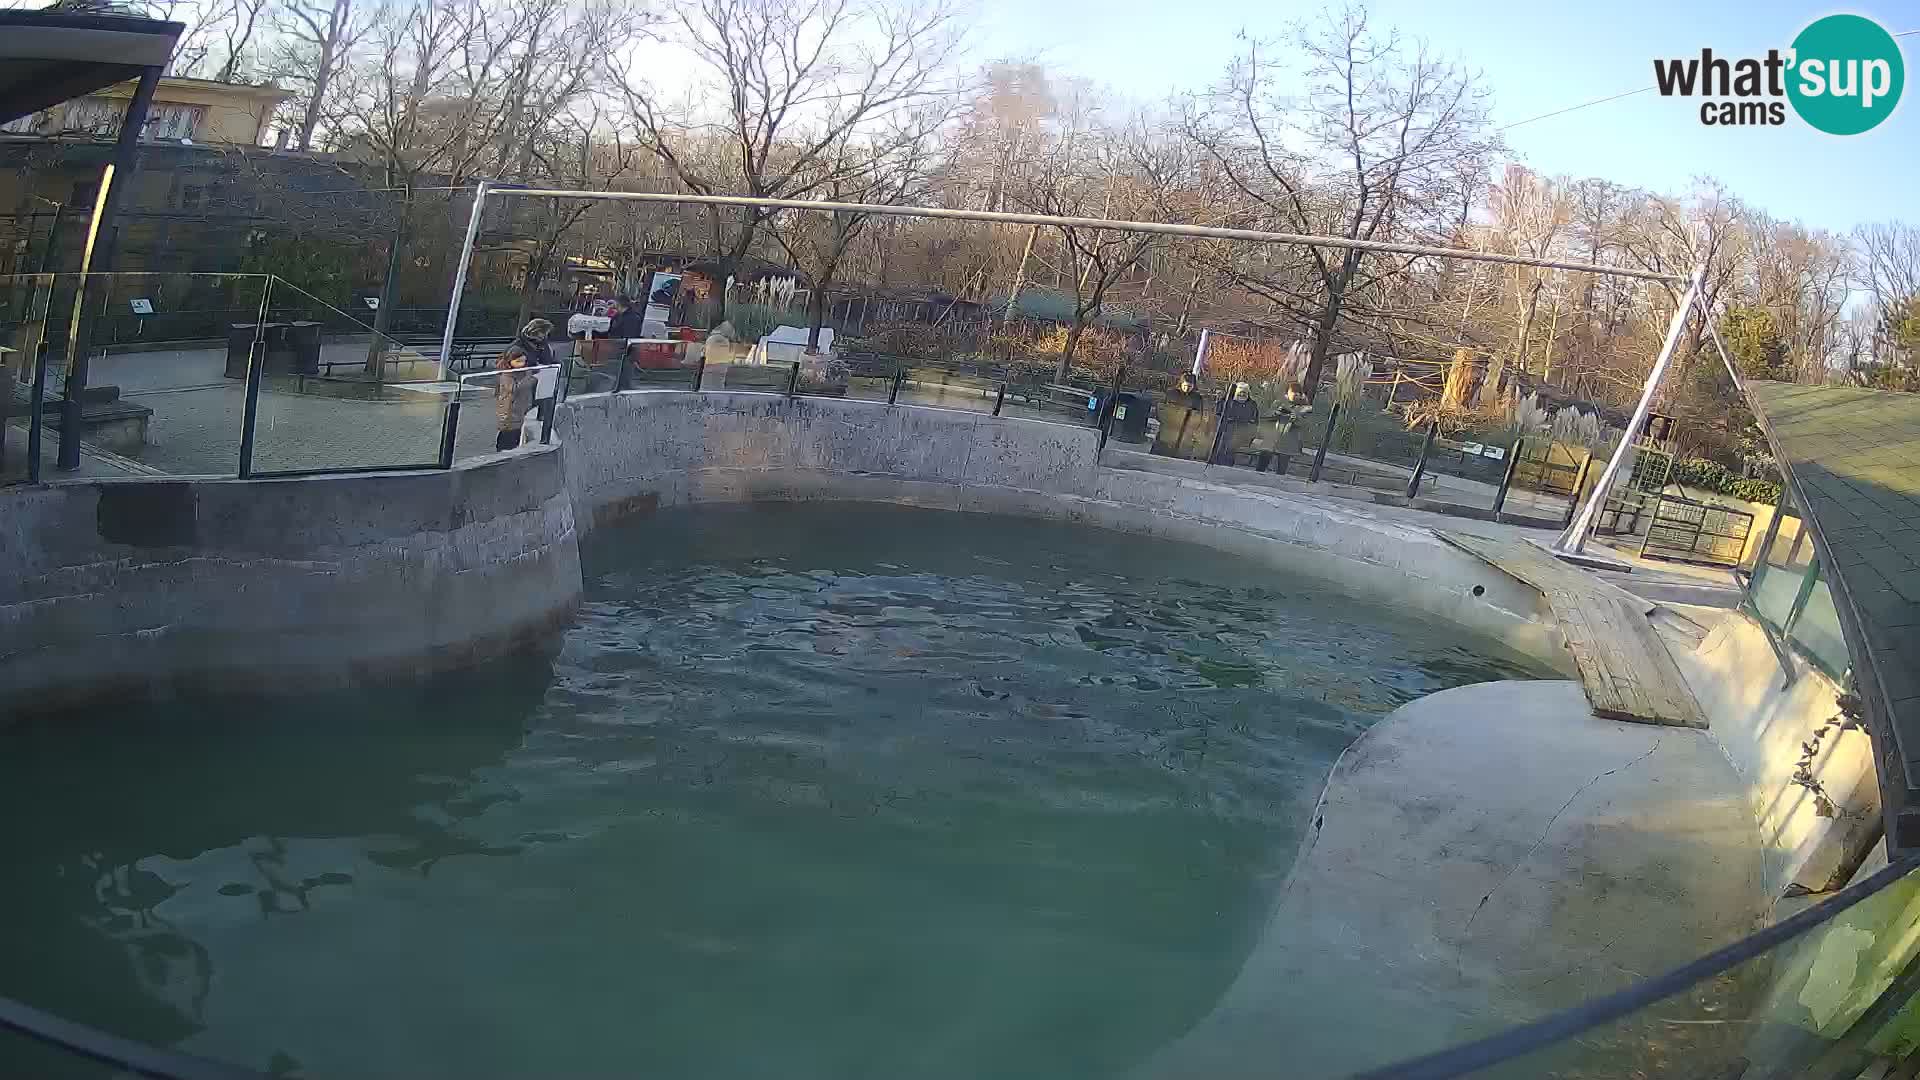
x,y
1538,57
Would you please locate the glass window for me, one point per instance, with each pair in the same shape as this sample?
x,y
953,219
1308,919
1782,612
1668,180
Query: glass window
x,y
1816,630
1777,578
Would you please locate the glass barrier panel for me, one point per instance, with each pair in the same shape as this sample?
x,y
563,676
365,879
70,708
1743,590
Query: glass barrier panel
x,y
24,322
336,394
869,375
1816,630
494,416
167,370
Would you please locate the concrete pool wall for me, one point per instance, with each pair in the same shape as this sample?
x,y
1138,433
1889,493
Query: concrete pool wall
x,y
636,451
143,588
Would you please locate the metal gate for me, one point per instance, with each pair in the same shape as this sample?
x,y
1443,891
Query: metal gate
x,y
1549,467
1683,530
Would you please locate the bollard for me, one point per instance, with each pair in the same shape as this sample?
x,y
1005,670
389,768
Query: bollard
x,y
1420,466
624,380
700,372
793,380
1506,478
39,399
899,373
1000,398
448,426
1320,455
250,415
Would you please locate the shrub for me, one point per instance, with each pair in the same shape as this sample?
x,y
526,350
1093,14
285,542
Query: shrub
x,y
751,322
1709,475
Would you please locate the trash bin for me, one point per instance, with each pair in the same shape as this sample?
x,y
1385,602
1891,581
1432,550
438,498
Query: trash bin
x,y
303,340
239,343
279,353
1130,412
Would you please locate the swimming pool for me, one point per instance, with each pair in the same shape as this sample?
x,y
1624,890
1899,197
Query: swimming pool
x,y
813,790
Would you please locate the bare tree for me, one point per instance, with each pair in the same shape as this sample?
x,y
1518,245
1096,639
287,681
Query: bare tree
x,y
889,169
1128,173
793,81
427,103
1382,145
314,47
1888,271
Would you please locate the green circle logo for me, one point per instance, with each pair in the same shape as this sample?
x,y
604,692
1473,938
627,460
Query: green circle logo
x,y
1847,74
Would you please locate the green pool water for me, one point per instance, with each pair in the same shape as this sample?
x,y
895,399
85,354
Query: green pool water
x,y
806,792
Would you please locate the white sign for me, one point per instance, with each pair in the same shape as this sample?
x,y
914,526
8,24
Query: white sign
x,y
1497,453
141,306
1472,448
372,302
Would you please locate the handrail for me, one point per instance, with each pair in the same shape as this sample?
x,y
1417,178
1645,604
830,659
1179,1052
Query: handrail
x,y
96,1045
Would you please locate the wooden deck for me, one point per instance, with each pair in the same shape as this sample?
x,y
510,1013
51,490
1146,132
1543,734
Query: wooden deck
x,y
1624,666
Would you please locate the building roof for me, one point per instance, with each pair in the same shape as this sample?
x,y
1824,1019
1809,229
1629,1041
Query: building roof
x,y
49,57
1852,459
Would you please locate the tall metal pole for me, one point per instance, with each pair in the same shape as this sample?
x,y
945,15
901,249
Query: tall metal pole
x,y
1574,540
1157,228
69,457
460,279
102,244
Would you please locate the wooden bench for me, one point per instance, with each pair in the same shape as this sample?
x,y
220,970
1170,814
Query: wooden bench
x,y
469,355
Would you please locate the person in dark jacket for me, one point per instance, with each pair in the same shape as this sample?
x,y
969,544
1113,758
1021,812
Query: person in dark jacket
x,y
513,387
629,320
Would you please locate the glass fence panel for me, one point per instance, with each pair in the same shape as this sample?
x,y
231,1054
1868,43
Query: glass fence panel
x,y
163,389
501,410
336,394
1816,630
1777,579
24,322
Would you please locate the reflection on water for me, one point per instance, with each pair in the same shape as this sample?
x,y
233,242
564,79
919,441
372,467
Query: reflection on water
x,y
809,791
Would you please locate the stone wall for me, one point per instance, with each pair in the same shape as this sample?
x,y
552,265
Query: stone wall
x,y
129,588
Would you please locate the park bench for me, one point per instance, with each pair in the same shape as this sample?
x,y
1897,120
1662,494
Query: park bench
x,y
469,355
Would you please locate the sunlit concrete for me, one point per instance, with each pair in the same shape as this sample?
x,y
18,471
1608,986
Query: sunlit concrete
x,y
1481,857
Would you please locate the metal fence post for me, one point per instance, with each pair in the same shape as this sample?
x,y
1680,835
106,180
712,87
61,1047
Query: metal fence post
x,y
1107,408
793,380
1000,398
546,416
899,373
36,424
250,416
700,371
448,427
1506,478
624,379
1579,481
1420,466
1320,455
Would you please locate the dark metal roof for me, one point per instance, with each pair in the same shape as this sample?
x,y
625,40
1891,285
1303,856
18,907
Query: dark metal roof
x,y
50,57
1852,459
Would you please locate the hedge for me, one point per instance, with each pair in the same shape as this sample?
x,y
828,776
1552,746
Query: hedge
x,y
1709,475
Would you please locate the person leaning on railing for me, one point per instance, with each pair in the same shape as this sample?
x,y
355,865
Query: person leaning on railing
x,y
513,387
